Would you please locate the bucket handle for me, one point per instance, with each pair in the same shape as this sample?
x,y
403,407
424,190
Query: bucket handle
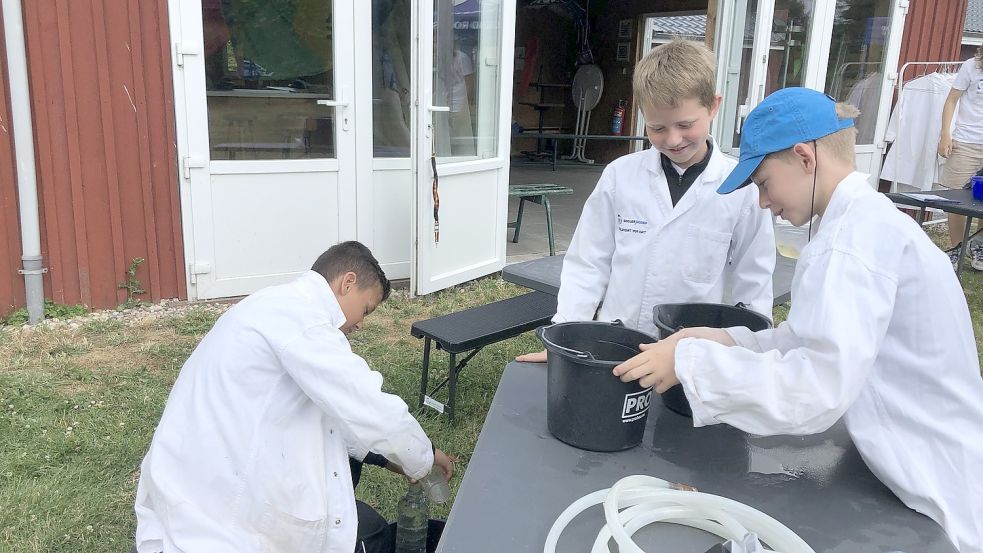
x,y
541,334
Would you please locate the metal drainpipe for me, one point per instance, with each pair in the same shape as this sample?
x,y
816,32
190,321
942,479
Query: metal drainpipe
x,y
27,186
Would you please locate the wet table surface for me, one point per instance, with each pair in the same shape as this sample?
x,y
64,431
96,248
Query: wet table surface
x,y
520,479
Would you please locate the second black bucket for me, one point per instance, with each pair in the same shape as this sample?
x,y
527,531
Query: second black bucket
x,y
587,406
673,317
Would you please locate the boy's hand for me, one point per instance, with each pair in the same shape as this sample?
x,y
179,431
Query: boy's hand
x,y
445,462
945,146
538,357
655,366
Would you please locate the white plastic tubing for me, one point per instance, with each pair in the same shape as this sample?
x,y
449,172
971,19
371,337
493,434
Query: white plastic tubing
x,y
636,501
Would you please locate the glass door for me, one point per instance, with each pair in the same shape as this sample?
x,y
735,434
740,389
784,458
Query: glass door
x,y
742,65
462,153
266,135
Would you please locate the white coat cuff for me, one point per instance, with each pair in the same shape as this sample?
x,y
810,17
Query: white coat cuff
x,y
743,337
689,357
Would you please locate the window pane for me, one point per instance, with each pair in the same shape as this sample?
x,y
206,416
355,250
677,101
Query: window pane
x,y
856,59
391,77
466,78
267,63
789,44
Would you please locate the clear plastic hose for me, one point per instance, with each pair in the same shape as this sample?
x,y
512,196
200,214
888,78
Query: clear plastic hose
x,y
637,501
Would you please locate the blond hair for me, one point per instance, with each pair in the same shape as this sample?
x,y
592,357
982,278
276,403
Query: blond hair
x,y
674,72
840,144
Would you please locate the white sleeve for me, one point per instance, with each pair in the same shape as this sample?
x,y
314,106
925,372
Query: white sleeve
x,y
964,78
321,362
587,263
801,377
753,258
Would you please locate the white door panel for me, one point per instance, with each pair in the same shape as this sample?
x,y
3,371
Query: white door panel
x,y
463,124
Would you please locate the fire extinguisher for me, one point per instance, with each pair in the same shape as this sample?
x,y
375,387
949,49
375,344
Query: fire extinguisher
x,y
618,117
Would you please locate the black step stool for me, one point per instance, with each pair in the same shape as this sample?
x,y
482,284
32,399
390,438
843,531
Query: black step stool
x,y
473,329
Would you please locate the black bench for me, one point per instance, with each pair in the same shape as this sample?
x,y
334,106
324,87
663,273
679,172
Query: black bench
x,y
473,329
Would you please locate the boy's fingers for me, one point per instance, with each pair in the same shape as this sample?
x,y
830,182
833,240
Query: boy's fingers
x,y
646,347
538,357
636,373
629,365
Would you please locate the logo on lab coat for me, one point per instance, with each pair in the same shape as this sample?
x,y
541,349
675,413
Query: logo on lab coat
x,y
632,226
636,405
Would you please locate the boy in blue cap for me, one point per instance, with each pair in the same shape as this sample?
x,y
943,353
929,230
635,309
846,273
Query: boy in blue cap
x,y
879,332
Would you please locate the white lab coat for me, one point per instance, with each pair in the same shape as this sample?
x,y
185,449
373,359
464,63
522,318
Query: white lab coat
x,y
251,454
633,250
879,333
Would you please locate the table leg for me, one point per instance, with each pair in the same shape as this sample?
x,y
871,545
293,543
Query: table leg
x,y
556,142
549,223
452,387
963,247
518,220
921,215
426,369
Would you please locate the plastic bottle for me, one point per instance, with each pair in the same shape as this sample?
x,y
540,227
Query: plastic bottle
x,y
436,486
411,521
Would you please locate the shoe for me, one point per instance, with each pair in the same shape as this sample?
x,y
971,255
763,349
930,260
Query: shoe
x,y
976,255
954,255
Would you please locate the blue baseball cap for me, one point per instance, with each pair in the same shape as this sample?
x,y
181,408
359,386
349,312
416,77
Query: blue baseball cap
x,y
785,118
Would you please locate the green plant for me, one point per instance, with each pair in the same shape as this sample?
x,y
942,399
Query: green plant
x,y
52,310
133,286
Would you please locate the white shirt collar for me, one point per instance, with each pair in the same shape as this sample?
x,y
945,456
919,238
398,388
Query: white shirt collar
x,y
314,285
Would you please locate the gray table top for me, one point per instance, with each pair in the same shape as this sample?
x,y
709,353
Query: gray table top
x,y
520,479
964,203
544,275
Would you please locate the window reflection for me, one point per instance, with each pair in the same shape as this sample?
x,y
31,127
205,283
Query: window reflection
x,y
267,62
856,59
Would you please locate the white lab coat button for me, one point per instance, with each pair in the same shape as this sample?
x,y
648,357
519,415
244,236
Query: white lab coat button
x,y
336,475
337,522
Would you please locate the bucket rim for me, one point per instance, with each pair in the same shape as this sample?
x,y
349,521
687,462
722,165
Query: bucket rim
x,y
556,349
736,307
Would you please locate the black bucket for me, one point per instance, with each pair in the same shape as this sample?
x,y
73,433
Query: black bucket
x,y
673,317
587,406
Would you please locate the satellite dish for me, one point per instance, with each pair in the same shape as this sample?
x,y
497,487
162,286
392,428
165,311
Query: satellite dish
x,y
588,83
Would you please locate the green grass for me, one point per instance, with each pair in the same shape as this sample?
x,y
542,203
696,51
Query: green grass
x,y
72,491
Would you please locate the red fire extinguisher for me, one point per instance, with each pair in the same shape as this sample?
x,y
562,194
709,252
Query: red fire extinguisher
x,y
618,118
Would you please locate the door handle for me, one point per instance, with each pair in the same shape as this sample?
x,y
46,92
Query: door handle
x,y
333,103
343,106
439,108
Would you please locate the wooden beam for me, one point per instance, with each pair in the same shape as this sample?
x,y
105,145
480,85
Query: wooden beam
x,y
711,23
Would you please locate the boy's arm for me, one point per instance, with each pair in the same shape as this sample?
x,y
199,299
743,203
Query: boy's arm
x,y
587,263
829,346
753,254
321,362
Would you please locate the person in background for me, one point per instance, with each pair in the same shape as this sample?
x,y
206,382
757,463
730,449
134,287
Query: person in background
x,y
963,147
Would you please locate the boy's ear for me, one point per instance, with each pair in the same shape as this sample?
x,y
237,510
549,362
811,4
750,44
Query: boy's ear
x,y
806,155
347,282
717,100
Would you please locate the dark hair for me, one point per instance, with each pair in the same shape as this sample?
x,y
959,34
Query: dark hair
x,y
356,258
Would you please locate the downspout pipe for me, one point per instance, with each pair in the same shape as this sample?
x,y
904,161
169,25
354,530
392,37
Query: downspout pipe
x,y
27,185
